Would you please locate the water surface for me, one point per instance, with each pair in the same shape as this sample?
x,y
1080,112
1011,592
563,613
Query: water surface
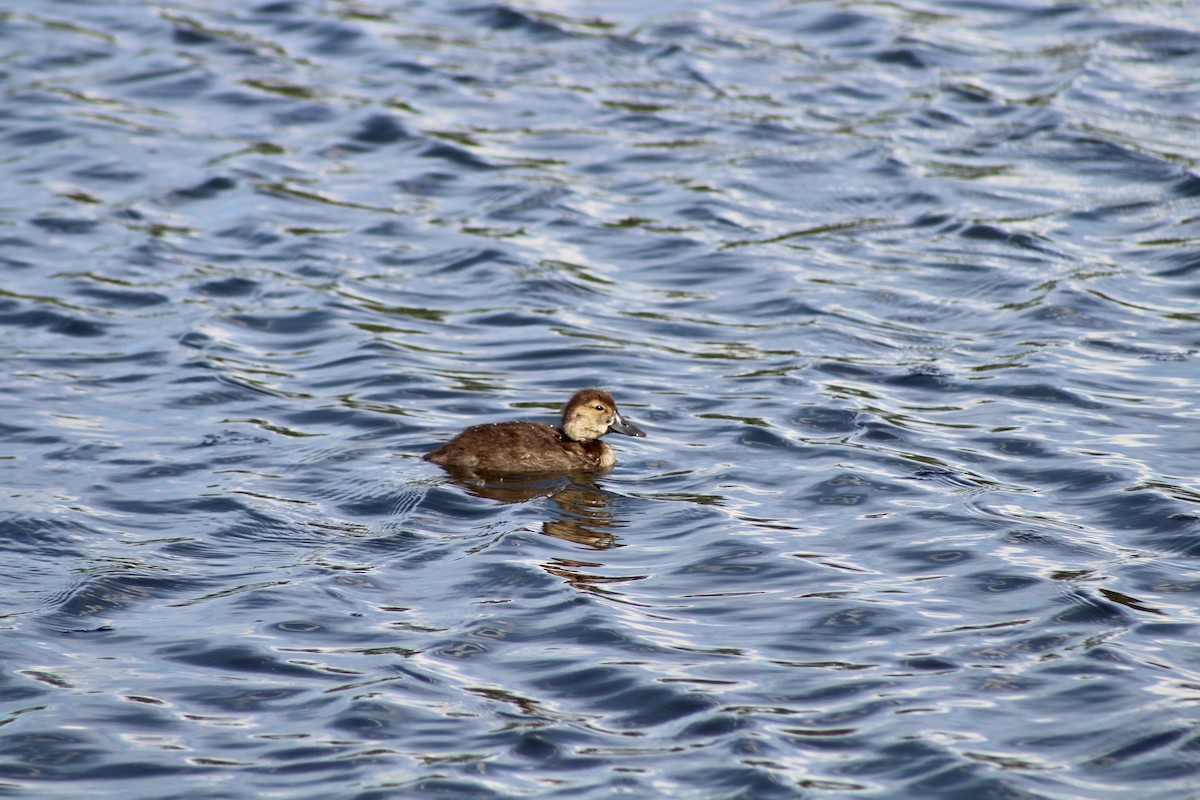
x,y
905,296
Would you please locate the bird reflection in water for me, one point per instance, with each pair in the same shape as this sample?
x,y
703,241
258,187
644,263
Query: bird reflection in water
x,y
581,511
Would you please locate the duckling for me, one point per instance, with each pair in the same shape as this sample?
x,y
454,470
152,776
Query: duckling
x,y
510,447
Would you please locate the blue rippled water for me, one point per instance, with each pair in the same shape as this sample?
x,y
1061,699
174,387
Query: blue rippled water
x,y
906,296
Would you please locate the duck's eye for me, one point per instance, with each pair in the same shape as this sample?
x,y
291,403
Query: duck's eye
x,y
599,408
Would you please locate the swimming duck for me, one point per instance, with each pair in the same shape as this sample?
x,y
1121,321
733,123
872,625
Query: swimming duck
x,y
537,447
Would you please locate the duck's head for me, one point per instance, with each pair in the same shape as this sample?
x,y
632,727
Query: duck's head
x,y
591,413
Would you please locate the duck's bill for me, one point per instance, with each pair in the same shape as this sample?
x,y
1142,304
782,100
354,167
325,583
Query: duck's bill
x,y
619,425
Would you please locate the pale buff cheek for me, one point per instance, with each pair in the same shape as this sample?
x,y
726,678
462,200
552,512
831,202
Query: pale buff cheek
x,y
585,424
